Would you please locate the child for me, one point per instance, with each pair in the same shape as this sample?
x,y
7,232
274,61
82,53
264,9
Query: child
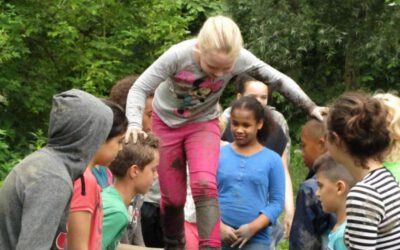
x,y
334,182
358,138
251,181
118,95
134,171
144,228
86,212
310,223
249,86
392,159
34,199
189,79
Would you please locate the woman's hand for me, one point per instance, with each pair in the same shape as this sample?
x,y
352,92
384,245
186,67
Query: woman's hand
x,y
227,234
244,234
133,132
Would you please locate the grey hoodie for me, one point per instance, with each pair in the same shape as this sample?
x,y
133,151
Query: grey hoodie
x,y
34,200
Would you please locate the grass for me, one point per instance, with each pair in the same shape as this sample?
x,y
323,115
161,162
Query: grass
x,y
298,173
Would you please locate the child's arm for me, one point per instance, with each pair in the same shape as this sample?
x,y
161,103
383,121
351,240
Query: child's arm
x,y
113,225
81,213
289,204
44,204
276,190
277,80
158,72
79,230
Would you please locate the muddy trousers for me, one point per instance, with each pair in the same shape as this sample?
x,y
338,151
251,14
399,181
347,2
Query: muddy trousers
x,y
198,144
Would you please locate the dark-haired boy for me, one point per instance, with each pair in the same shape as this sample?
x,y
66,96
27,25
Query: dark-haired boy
x,y
310,225
134,170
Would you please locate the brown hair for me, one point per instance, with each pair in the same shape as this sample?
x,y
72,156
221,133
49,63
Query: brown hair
x,y
332,170
119,92
360,121
140,153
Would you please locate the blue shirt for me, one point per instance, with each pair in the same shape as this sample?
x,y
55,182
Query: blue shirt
x,y
310,224
100,172
249,186
336,238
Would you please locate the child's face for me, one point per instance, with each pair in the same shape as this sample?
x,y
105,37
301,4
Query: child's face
x,y
148,110
244,126
327,193
146,176
108,151
257,90
311,147
215,64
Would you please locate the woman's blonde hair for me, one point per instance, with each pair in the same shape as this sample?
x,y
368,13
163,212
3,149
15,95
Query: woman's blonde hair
x,y
220,34
392,103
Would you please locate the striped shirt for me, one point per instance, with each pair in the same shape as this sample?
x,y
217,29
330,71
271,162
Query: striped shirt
x,y
373,212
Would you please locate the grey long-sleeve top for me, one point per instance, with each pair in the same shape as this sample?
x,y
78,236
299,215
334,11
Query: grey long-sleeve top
x,y
185,94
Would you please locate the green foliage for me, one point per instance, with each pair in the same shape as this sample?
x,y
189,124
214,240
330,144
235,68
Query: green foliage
x,y
328,47
50,46
8,158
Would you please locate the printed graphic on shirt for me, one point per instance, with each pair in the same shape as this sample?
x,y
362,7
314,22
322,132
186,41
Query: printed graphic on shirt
x,y
61,240
192,91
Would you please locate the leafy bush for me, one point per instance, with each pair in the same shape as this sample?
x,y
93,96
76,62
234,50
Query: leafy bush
x,y
50,46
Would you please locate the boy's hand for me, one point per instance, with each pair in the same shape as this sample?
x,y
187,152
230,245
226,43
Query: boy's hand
x,y
244,234
227,234
133,132
319,113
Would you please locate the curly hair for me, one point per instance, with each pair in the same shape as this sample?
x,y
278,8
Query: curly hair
x,y
360,121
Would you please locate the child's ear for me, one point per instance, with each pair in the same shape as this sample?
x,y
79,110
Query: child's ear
x,y
238,96
133,171
260,124
341,187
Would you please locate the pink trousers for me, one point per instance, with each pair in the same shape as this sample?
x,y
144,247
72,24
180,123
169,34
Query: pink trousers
x,y
191,236
198,145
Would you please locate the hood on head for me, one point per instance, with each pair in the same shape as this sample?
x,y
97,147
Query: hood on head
x,y
79,124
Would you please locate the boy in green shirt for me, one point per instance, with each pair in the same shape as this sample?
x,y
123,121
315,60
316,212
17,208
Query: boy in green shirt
x,y
134,170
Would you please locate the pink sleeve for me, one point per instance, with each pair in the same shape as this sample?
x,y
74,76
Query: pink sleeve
x,y
90,200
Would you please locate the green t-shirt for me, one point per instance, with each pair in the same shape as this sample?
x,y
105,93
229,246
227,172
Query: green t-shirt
x,y
115,218
394,168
